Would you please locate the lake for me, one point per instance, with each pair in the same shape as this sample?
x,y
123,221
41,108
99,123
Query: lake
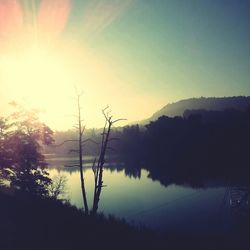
x,y
143,201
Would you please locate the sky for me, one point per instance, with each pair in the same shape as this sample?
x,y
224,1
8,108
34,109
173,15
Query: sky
x,y
133,55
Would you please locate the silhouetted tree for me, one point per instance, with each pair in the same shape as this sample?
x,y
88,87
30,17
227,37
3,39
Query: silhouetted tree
x,y
81,128
5,153
22,161
98,168
57,187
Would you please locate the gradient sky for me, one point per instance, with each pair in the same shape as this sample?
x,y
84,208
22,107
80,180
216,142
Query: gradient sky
x,y
177,48
155,52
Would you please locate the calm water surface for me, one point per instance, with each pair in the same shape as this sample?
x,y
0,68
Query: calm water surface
x,y
147,202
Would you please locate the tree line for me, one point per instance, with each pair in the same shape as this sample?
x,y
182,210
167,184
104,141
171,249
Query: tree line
x,y
188,148
191,148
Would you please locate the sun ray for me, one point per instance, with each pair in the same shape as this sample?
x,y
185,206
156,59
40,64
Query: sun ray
x,y
11,19
40,66
53,17
101,13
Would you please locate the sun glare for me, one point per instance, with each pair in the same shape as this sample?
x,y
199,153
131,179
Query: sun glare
x,y
38,71
40,66
38,78
45,78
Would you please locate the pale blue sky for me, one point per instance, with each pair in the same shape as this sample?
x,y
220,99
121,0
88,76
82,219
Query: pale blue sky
x,y
178,48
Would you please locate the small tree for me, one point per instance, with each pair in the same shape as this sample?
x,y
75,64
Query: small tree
x,y
57,187
24,164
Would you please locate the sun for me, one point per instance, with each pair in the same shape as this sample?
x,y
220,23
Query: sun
x,y
46,77
36,71
39,78
41,62
43,58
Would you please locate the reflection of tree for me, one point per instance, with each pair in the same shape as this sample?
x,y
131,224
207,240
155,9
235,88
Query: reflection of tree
x,y
236,207
201,145
239,199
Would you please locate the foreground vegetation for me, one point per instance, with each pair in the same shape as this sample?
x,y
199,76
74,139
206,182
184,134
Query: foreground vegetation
x,y
29,222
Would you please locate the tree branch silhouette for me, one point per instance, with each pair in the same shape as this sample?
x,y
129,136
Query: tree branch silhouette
x,y
98,169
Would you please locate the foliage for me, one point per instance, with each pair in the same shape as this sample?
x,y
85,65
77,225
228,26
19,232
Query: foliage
x,y
200,146
57,188
21,160
50,224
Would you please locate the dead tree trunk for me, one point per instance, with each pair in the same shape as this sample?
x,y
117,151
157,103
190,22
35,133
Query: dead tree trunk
x,y
98,169
80,131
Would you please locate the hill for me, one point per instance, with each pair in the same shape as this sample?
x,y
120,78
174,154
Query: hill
x,y
202,103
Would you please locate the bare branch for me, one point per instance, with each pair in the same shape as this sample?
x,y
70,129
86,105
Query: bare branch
x,y
90,140
106,114
107,107
83,129
57,187
58,145
71,166
94,167
118,120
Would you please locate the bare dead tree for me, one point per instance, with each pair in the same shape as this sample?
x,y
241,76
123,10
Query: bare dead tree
x,y
81,129
98,166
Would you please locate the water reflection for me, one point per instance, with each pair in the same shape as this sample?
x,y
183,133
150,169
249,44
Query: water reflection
x,y
239,201
141,200
156,198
